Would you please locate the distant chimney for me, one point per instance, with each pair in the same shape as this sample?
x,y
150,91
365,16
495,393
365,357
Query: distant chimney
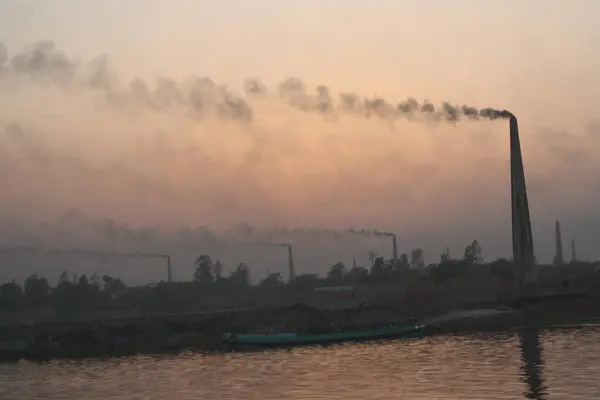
x,y
573,252
353,262
291,263
169,269
394,250
558,259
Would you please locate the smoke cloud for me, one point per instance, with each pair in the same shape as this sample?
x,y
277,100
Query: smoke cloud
x,y
45,64
191,166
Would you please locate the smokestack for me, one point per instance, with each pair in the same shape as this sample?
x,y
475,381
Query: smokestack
x,y
292,274
394,249
521,223
394,244
558,259
169,270
353,262
573,252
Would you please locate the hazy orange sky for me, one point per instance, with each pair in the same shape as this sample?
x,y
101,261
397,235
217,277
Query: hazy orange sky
x,y
110,151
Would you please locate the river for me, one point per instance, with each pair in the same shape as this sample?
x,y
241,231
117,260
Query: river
x,y
556,364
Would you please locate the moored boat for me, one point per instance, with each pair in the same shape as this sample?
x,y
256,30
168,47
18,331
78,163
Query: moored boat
x,y
296,339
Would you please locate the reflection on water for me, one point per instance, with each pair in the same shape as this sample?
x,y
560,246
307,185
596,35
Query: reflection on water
x,y
531,353
505,366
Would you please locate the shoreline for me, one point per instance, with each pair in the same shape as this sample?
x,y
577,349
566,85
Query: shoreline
x,y
174,334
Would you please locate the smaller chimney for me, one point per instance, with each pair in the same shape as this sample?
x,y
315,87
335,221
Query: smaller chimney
x,y
558,259
291,263
169,270
394,249
573,252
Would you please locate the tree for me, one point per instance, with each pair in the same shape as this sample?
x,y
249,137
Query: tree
x,y
473,253
204,268
83,281
449,270
306,281
357,274
403,261
399,266
379,268
95,280
37,291
372,256
272,280
418,261
218,270
62,294
445,255
64,277
241,275
113,287
504,269
12,296
336,273
86,293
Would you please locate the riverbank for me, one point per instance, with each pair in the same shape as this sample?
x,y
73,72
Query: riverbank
x,y
569,309
202,331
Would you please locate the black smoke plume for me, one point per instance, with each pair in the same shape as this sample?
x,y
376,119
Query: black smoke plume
x,y
44,63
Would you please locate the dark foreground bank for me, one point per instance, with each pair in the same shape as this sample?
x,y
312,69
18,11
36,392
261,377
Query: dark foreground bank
x,y
202,332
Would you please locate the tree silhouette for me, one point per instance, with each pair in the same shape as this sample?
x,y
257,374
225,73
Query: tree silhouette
x,y
64,277
62,294
37,291
403,261
336,273
473,253
85,293
272,280
306,281
218,268
379,267
95,280
357,274
113,287
417,259
446,271
372,256
12,297
504,269
83,280
241,275
204,270
445,256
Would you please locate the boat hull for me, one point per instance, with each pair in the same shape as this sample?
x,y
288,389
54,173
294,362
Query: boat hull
x,y
293,339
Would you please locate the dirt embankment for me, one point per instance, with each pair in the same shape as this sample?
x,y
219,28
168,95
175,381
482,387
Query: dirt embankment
x,y
545,311
202,331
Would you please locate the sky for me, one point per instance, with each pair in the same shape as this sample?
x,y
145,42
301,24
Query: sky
x,y
89,139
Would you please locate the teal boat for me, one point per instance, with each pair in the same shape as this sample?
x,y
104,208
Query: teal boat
x,y
295,339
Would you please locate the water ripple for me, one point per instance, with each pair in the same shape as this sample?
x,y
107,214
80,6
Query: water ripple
x,y
551,365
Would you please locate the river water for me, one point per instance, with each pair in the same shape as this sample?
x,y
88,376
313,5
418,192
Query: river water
x,y
557,364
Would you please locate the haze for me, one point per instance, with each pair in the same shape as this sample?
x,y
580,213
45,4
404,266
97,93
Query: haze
x,y
107,144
